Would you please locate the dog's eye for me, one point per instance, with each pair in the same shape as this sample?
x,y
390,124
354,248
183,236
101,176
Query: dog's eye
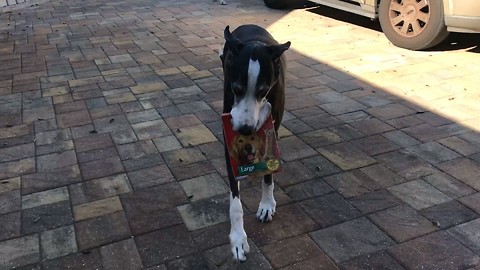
x,y
240,141
262,92
252,138
237,89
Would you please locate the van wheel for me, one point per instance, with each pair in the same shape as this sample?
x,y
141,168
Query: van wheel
x,y
413,24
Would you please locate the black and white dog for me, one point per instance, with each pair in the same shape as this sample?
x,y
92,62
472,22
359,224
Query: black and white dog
x,y
254,86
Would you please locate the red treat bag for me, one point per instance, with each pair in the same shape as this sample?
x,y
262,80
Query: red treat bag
x,y
252,155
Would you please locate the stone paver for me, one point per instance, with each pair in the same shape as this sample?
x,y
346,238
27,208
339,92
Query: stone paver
x,y
96,208
204,187
162,246
351,239
11,225
151,209
419,194
329,209
111,144
121,254
472,202
402,223
216,259
378,260
58,242
431,251
352,183
468,234
101,230
449,214
291,251
204,213
20,251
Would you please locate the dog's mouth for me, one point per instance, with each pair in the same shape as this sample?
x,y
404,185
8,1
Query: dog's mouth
x,y
250,115
249,152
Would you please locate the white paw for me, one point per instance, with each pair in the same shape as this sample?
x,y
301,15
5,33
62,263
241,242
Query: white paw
x,y
223,2
266,210
239,245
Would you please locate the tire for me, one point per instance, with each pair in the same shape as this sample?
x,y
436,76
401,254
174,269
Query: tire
x,y
283,4
413,24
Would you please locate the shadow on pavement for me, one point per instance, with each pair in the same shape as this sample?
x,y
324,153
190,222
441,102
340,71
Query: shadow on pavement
x,y
346,17
458,41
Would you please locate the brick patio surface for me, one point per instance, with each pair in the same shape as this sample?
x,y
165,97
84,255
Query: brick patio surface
x,y
111,152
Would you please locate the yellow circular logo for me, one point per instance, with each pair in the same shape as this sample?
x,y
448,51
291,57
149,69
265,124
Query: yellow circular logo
x,y
273,164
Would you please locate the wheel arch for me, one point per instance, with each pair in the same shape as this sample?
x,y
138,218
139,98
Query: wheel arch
x,y
447,4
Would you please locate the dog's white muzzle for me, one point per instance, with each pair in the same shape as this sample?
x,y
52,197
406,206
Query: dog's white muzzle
x,y
250,113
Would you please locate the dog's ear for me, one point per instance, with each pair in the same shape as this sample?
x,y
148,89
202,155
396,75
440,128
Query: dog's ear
x,y
277,50
233,43
262,148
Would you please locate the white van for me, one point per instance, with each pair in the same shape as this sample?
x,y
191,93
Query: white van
x,y
410,24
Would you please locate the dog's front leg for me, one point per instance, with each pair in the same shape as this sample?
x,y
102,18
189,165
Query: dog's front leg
x,y
238,236
266,208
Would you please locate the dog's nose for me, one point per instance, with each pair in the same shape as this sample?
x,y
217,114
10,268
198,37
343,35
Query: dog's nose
x,y
246,130
249,148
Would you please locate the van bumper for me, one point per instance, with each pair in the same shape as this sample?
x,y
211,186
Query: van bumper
x,y
466,24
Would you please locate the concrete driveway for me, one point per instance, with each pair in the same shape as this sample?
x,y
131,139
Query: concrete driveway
x,y
111,152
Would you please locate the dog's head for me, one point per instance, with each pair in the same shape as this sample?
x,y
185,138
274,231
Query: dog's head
x,y
253,70
247,149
